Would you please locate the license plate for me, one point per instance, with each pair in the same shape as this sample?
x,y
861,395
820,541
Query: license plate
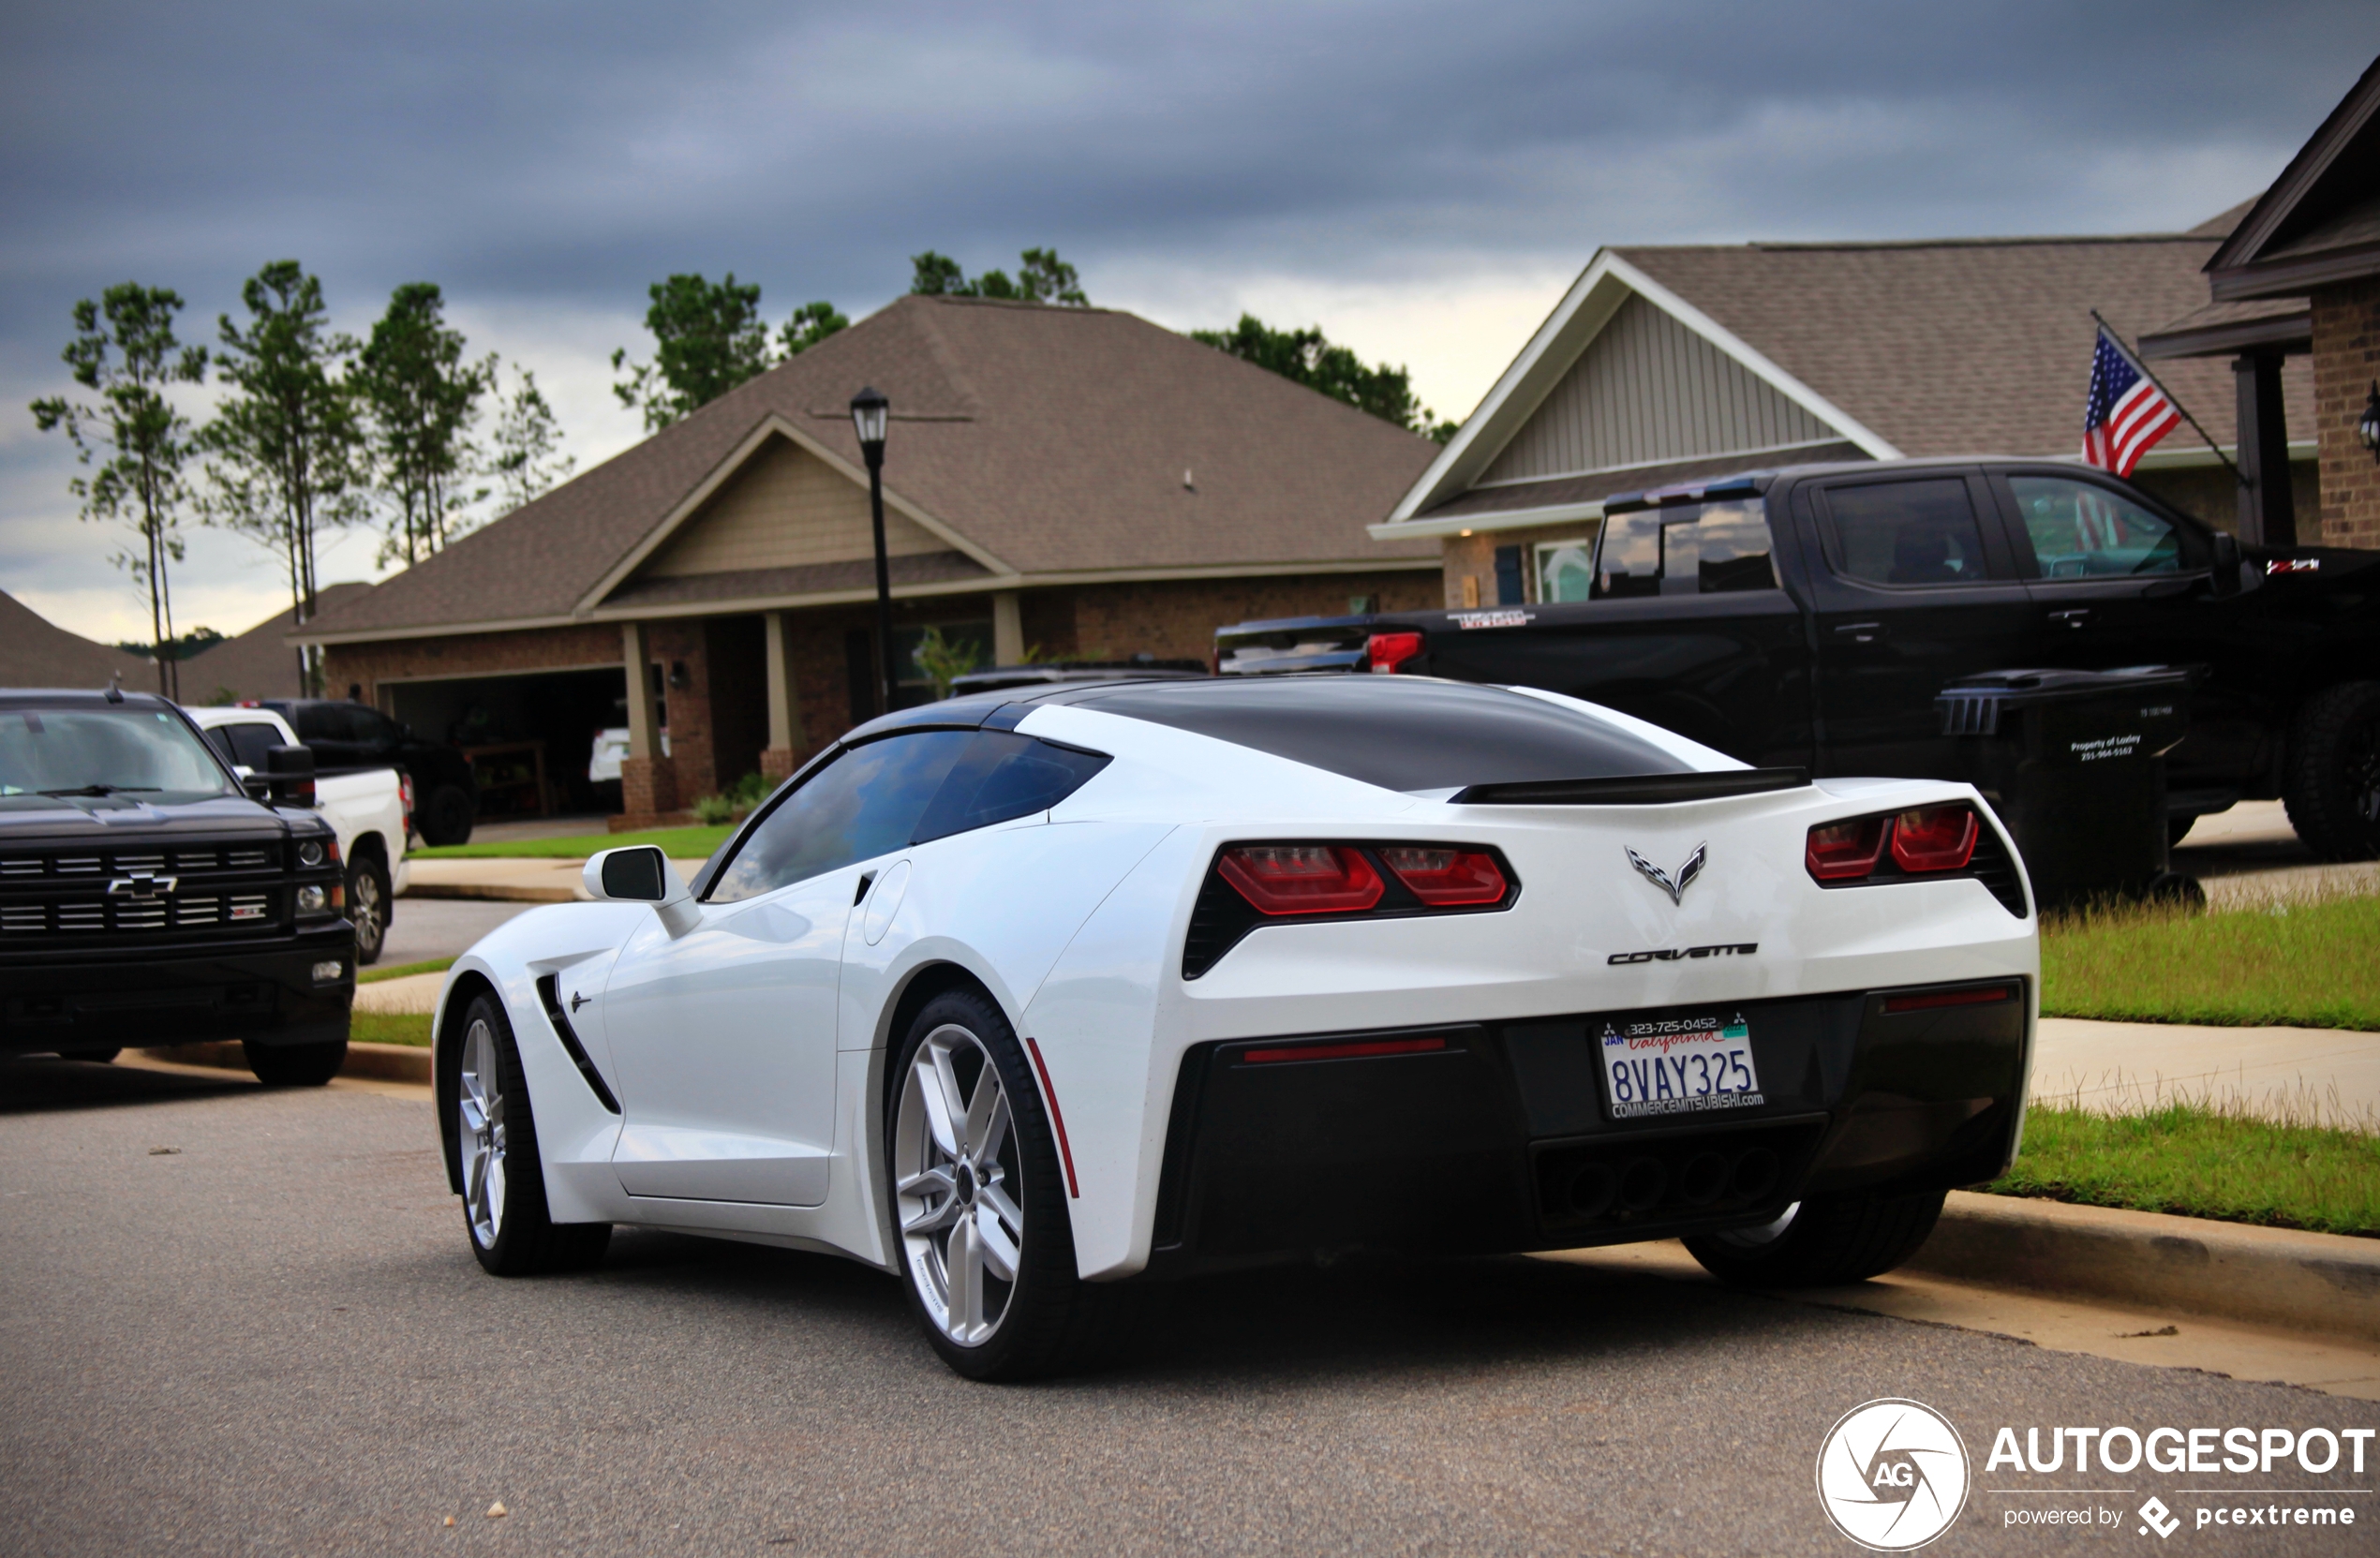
x,y
1678,1065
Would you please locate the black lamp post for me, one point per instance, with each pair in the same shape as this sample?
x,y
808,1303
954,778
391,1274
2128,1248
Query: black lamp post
x,y
2368,428
870,411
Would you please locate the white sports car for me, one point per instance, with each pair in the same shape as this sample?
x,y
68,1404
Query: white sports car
x,y
1025,995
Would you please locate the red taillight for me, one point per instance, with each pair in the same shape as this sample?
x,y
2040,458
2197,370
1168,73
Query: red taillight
x,y
1447,878
1302,879
1386,652
1350,1050
1844,851
1934,839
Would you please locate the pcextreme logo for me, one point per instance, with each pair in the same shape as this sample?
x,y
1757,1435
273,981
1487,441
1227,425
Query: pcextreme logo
x,y
1893,1474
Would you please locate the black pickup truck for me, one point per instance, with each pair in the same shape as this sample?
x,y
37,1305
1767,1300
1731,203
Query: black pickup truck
x,y
148,897
1806,616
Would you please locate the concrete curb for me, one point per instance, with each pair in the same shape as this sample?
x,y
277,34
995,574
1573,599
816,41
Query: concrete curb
x,y
389,1063
2322,1283
503,891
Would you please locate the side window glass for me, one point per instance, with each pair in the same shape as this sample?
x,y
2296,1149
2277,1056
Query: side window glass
x,y
249,743
220,740
324,722
865,803
1907,533
373,726
1004,776
2082,530
1697,549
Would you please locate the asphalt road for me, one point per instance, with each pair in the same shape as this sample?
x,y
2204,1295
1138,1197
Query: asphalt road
x,y
423,928
273,1339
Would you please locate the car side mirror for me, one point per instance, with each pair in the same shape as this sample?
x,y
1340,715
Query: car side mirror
x,y
2227,568
288,774
641,873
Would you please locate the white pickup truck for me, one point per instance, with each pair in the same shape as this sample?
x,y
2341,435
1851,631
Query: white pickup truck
x,y
370,809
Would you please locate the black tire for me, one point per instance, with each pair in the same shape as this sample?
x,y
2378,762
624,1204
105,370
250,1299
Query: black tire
x,y
367,904
1827,1240
521,1239
447,816
2333,773
2177,829
1052,1321
295,1065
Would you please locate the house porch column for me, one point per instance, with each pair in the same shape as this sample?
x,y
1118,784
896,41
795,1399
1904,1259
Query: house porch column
x,y
785,740
647,780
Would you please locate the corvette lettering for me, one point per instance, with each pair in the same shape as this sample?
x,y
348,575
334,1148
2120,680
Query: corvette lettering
x,y
1671,955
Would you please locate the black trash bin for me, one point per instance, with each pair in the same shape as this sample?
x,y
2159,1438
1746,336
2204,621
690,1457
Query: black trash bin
x,y
2074,762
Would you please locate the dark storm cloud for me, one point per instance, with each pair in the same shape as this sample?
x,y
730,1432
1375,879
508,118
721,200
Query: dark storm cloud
x,y
579,150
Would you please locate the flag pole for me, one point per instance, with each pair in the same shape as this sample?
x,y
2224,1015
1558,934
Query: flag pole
x,y
2142,368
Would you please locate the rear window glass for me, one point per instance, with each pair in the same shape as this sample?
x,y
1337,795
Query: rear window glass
x,y
244,746
1400,733
1692,549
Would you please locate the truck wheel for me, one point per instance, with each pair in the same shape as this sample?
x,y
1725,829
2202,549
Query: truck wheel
x,y
295,1065
447,817
1822,1242
2333,789
368,905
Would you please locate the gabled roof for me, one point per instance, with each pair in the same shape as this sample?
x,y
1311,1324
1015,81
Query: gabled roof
x,y
37,652
1046,445
2320,221
1929,348
259,663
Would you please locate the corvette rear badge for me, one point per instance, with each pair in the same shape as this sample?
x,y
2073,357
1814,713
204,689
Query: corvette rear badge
x,y
1675,887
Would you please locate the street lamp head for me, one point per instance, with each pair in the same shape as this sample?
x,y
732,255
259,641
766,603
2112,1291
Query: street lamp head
x,y
2368,428
869,410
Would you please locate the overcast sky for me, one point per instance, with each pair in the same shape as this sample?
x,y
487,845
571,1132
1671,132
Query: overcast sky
x,y
1420,179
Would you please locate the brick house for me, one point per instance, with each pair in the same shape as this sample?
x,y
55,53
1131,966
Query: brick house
x,y
1070,483
1669,363
2298,278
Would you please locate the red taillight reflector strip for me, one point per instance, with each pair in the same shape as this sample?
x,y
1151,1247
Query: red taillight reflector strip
x,y
1926,1001
1934,839
1302,879
1347,1051
1447,878
1385,652
1845,852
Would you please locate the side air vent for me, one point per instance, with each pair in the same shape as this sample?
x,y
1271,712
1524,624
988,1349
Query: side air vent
x,y
549,994
1633,788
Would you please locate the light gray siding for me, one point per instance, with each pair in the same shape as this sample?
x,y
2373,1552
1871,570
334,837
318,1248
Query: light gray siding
x,y
1647,389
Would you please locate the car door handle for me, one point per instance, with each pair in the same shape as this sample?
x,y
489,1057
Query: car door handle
x,y
2073,616
1861,632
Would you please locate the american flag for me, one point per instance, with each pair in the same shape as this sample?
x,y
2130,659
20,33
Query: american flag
x,y
2125,413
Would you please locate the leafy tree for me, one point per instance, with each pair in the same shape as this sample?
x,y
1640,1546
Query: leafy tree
x,y
197,641
286,444
1308,358
527,438
134,438
708,338
943,661
812,324
1041,277
421,397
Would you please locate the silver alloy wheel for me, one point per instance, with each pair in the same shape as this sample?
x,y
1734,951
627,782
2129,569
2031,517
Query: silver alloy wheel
x,y
480,1141
1760,1235
955,1163
368,912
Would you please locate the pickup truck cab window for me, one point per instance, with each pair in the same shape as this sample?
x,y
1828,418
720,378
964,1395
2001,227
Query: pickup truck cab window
x,y
1907,535
2082,530
1687,549
244,746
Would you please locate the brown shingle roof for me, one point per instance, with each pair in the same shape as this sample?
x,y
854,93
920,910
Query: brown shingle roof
x,y
1963,347
1052,440
37,652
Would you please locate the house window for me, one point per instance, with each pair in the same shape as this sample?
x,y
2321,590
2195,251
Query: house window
x,y
1565,569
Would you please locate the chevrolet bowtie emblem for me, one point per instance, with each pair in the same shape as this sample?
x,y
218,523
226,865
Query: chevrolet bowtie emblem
x,y
140,884
1675,887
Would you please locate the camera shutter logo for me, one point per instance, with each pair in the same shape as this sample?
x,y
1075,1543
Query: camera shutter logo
x,y
1893,1474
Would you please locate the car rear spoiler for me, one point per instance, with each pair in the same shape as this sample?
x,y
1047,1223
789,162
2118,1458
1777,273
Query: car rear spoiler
x,y
1633,788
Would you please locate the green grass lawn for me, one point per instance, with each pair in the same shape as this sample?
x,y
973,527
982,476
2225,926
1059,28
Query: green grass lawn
x,y
2305,965
682,843
401,970
411,1028
2194,1161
